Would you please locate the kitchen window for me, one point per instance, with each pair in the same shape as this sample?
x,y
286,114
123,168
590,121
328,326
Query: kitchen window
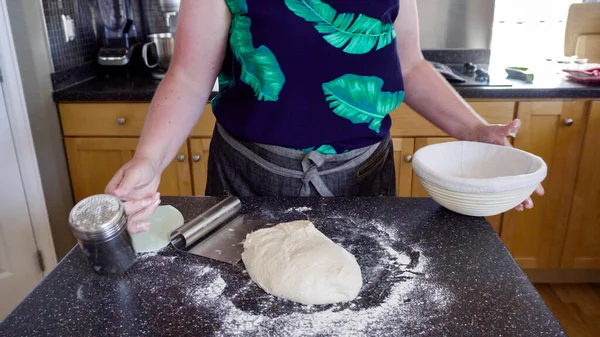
x,y
528,31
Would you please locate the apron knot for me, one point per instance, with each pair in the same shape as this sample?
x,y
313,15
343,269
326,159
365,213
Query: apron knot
x,y
310,167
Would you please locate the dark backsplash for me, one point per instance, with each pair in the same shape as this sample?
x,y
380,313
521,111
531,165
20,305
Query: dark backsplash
x,y
156,22
75,61
79,51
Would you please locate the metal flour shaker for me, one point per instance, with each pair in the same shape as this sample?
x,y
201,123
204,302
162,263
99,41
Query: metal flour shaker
x,y
99,223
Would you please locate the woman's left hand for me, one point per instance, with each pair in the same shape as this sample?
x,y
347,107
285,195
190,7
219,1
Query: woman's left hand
x,y
498,134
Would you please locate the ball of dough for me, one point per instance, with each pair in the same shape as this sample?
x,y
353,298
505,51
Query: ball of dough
x,y
297,262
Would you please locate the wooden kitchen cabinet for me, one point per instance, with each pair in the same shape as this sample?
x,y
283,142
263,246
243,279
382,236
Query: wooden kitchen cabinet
x,y
118,120
199,148
554,131
103,119
582,246
403,151
94,161
419,191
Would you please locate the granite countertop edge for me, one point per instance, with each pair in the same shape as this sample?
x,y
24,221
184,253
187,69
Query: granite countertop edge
x,y
143,89
74,95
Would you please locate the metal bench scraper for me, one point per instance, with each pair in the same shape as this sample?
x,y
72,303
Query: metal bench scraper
x,y
218,233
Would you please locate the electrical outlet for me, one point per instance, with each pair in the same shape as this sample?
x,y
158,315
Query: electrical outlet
x,y
68,27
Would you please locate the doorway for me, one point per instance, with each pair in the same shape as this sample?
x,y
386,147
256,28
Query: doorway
x,y
26,249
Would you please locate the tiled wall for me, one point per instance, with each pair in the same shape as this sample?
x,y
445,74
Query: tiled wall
x,y
82,50
155,20
75,61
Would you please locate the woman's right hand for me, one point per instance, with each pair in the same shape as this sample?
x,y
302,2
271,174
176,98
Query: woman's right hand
x,y
136,184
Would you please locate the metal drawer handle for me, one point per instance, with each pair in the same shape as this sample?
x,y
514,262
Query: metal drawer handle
x,y
568,121
196,158
408,158
120,120
180,158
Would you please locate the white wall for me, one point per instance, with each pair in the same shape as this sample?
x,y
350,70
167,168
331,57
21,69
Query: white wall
x,y
35,66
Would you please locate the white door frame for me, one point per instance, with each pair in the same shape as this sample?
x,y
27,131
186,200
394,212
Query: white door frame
x,y
21,130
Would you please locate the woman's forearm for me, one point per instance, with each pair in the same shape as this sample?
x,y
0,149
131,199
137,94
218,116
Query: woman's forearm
x,y
428,93
200,45
174,111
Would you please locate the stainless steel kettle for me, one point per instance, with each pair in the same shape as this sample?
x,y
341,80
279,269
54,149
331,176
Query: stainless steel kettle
x,y
164,44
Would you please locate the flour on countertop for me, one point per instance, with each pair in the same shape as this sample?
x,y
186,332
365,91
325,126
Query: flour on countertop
x,y
150,260
211,289
410,291
80,293
399,292
298,209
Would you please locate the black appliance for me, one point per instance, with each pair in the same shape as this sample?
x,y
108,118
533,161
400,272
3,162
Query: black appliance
x,y
468,75
120,36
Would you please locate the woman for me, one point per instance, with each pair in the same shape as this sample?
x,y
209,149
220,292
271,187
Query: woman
x,y
306,87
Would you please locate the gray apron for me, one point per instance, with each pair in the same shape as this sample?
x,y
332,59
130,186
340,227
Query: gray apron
x,y
250,169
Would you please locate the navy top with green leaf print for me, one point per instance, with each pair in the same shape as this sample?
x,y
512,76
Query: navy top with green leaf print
x,y
317,75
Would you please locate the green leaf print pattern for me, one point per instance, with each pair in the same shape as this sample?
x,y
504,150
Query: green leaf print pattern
x,y
360,99
225,82
324,149
237,7
260,69
358,36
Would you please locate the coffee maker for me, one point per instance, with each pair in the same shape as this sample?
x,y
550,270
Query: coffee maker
x,y
120,35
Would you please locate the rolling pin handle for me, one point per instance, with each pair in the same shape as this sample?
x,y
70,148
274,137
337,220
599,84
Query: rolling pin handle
x,y
178,241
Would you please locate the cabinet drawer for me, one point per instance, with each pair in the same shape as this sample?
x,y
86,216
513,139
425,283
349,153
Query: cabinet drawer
x,y
407,123
103,119
117,119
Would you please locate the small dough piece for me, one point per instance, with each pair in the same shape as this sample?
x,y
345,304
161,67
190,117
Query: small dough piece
x,y
164,220
295,261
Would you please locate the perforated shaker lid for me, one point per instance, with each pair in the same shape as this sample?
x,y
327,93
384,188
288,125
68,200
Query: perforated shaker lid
x,y
98,217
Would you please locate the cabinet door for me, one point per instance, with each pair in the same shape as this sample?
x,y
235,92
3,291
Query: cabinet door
x,y
94,161
417,188
199,150
582,246
536,237
403,151
419,191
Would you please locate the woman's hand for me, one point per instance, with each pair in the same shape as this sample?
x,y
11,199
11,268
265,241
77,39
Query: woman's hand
x,y
136,184
498,134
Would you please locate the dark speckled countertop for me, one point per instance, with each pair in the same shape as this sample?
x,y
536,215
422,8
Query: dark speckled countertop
x,y
426,271
141,89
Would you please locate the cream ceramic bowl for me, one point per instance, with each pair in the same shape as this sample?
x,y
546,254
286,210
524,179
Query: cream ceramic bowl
x,y
478,179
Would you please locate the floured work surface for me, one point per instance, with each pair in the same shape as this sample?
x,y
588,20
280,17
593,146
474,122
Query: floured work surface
x,y
426,272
